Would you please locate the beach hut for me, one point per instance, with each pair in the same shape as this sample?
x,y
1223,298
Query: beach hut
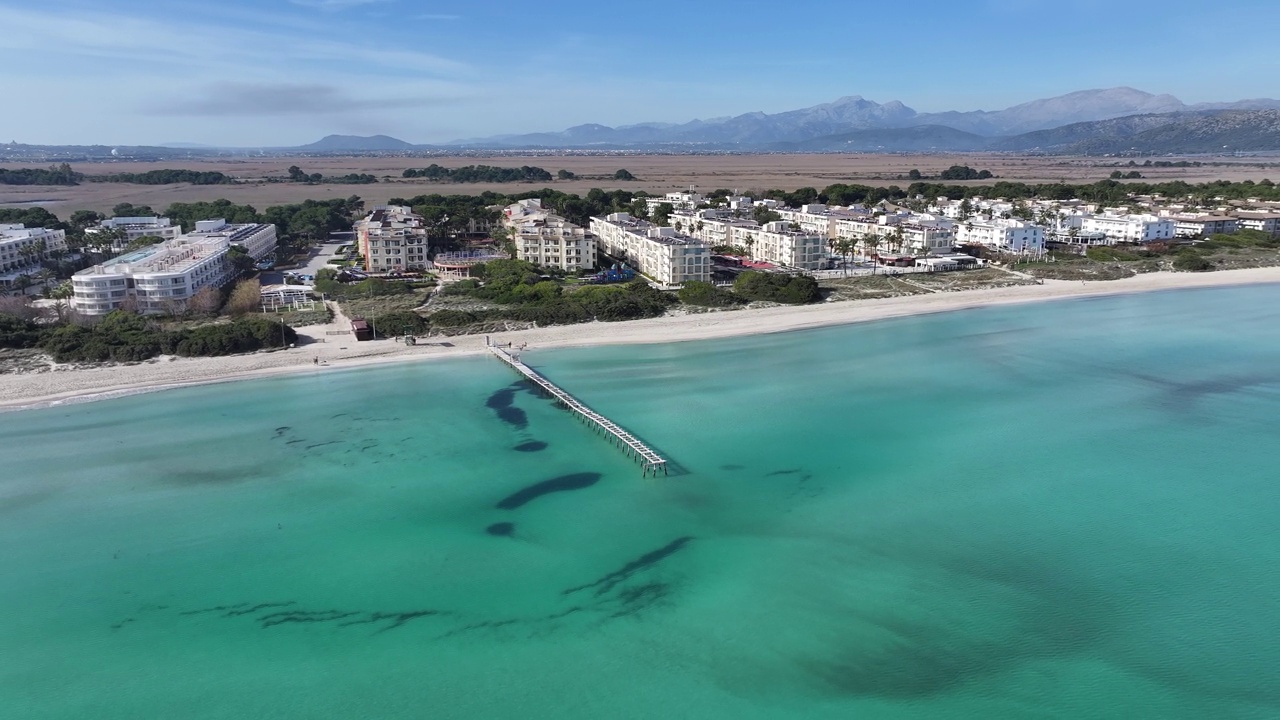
x,y
360,328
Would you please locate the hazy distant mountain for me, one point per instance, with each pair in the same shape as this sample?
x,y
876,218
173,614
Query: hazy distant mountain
x,y
1083,106
842,124
1201,132
356,143
922,138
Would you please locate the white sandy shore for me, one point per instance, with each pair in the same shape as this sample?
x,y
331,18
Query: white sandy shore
x,y
27,390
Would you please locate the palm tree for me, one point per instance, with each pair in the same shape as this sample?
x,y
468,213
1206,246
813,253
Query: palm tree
x,y
22,282
873,241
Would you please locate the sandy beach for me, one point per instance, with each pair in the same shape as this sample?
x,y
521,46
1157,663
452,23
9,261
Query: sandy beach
x,y
319,352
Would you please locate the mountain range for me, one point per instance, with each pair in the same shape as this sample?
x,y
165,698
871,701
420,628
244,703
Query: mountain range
x,y
1110,121
869,125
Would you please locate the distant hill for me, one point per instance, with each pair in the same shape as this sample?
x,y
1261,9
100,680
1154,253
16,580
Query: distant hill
x,y
1203,132
923,138
355,143
840,122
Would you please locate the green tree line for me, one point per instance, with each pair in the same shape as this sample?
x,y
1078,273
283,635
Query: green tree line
x,y
124,336
164,177
480,173
54,175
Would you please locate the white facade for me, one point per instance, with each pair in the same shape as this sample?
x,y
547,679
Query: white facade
x,y
546,239
677,201
659,252
158,278
136,227
1130,228
898,233
1262,222
258,241
24,248
392,238
774,242
1194,226
815,219
1006,235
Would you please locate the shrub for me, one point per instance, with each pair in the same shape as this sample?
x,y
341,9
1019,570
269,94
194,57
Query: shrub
x,y
400,322
452,318
1189,260
16,332
705,294
774,287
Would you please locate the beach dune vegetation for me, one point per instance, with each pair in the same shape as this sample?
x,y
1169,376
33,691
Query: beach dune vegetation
x,y
775,287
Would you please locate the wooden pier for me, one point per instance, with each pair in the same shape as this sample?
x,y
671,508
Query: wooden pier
x,y
650,461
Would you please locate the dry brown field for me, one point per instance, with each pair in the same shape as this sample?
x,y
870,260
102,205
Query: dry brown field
x,y
654,173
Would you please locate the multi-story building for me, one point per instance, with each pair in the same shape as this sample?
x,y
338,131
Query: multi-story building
x,y
544,238
132,228
661,253
777,243
714,227
256,240
392,238
23,248
1129,228
1004,235
1195,226
774,242
1262,222
918,234
157,278
815,219
677,201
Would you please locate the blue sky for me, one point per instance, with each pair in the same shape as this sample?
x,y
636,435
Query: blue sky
x,y
285,72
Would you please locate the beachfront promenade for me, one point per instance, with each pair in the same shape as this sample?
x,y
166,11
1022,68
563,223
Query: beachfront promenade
x,y
650,461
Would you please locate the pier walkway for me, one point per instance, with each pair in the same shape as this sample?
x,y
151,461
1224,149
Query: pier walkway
x,y
650,460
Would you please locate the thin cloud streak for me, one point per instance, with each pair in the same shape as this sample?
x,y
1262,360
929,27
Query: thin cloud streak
x,y
237,99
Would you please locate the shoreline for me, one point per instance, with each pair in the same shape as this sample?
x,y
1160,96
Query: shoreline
x,y
31,390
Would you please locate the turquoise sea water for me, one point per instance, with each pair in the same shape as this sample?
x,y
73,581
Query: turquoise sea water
x,y
1062,510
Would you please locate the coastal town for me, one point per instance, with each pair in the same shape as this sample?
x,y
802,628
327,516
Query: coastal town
x,y
416,282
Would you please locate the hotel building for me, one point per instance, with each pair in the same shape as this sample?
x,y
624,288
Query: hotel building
x,y
1004,235
134,228
544,238
23,248
661,253
1130,228
163,277
391,239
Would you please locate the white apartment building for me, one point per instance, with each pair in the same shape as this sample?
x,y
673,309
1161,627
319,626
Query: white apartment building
x,y
134,228
816,219
1130,228
257,240
713,227
659,252
1262,222
1195,226
392,238
1004,235
777,243
158,278
23,248
917,234
677,201
546,239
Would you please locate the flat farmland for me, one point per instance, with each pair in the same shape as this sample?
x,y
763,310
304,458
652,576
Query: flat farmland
x,y
654,174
